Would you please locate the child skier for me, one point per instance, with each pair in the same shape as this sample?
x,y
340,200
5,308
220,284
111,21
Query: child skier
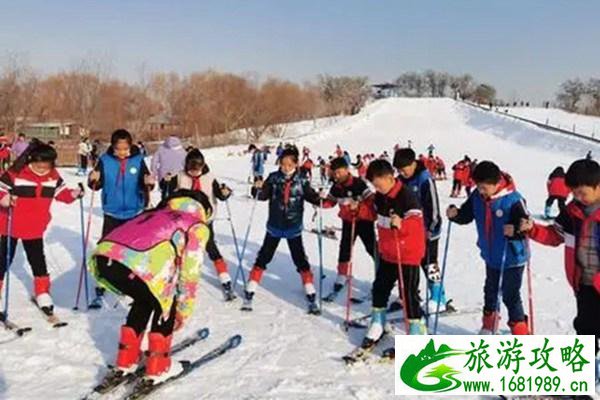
x,y
416,176
557,190
286,190
355,200
306,168
361,166
167,162
401,248
440,168
461,173
122,175
4,154
305,153
323,175
197,177
497,209
578,227
258,164
468,181
83,151
154,259
26,193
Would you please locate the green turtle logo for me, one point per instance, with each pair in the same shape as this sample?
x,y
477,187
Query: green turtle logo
x,y
414,364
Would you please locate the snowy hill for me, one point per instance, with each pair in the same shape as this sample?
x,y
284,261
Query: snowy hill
x,y
287,354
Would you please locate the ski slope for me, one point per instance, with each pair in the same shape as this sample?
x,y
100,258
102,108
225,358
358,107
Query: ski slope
x,y
285,353
586,125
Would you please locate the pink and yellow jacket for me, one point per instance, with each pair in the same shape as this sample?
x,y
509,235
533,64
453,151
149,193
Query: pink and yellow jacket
x,y
164,248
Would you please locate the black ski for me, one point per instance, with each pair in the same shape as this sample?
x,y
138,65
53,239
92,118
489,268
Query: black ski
x,y
110,385
362,353
12,327
145,387
49,316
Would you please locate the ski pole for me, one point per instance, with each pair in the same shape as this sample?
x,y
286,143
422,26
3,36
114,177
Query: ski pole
x,y
500,283
8,259
349,277
530,291
233,234
320,244
85,234
427,284
240,268
444,263
401,286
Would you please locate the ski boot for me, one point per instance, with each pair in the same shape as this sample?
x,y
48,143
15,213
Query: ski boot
x,y
228,294
313,307
41,288
247,303
253,280
376,329
416,327
339,284
128,358
221,269
158,365
519,327
489,322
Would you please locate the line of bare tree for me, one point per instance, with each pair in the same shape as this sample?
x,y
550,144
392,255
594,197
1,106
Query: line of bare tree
x,y
442,84
575,95
197,105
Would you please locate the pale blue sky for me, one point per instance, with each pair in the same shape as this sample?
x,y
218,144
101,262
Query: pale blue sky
x,y
525,48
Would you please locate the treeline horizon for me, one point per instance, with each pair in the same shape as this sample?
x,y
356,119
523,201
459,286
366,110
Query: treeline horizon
x,y
205,104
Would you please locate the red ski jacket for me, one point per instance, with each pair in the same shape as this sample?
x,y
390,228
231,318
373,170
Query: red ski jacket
x,y
31,212
411,236
354,189
568,228
557,187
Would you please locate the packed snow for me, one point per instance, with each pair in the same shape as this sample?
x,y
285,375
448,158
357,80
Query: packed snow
x,y
586,125
285,353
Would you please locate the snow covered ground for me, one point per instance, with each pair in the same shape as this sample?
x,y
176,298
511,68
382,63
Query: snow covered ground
x,y
583,124
287,354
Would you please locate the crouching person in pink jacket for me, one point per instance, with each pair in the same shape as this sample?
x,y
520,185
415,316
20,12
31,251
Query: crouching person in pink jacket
x,y
155,259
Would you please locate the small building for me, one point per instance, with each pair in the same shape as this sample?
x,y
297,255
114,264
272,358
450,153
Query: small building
x,y
54,130
160,126
66,136
383,90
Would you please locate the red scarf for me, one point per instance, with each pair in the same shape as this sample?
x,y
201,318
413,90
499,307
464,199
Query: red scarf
x,y
196,185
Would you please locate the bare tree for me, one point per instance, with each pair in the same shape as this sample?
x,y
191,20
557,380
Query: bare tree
x,y
593,91
570,93
484,93
344,94
18,89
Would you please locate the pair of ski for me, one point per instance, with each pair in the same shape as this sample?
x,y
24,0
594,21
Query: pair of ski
x,y
365,354
330,298
48,314
141,389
